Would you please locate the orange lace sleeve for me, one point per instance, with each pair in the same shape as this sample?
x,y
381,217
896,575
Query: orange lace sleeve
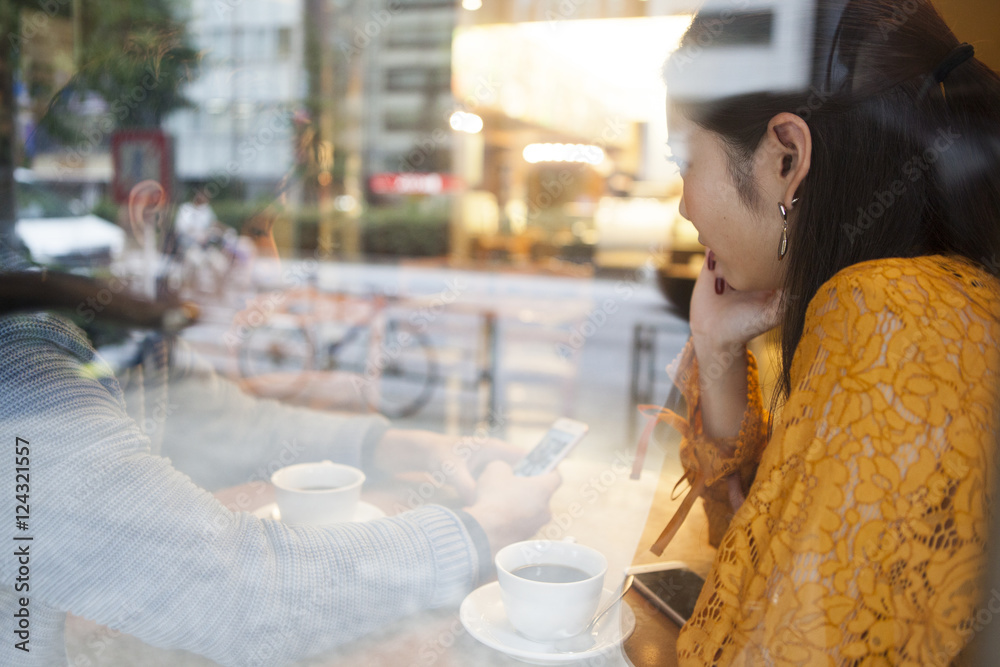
x,y
862,540
719,470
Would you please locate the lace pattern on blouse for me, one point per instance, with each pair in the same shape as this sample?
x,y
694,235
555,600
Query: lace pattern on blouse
x,y
863,536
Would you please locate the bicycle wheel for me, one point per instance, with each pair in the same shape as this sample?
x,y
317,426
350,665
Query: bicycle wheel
x,y
395,372
282,351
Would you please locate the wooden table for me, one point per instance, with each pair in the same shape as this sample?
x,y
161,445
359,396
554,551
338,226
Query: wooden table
x,y
618,520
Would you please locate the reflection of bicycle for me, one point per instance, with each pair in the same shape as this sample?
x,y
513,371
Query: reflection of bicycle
x,y
391,362
202,267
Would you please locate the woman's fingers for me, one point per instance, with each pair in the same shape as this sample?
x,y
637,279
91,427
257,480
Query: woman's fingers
x,y
726,316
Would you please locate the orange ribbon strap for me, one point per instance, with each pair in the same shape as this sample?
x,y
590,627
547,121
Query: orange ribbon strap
x,y
697,488
657,414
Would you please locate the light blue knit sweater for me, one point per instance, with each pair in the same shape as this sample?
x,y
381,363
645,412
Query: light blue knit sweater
x,y
121,537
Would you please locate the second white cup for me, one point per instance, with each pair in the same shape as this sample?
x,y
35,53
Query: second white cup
x,y
317,493
550,590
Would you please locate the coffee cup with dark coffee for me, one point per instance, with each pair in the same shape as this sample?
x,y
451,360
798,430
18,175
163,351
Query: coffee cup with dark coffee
x,y
550,590
317,493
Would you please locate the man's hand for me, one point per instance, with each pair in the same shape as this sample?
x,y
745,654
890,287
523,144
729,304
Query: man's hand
x,y
461,460
510,508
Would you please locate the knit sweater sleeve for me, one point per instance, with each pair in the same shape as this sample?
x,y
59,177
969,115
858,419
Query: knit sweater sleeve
x,y
222,437
124,539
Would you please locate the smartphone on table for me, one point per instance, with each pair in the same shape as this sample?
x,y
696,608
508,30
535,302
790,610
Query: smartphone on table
x,y
561,438
671,587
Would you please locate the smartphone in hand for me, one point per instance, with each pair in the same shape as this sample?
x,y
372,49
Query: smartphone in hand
x,y
553,448
671,587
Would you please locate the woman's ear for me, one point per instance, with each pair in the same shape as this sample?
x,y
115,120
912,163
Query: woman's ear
x,y
147,202
789,157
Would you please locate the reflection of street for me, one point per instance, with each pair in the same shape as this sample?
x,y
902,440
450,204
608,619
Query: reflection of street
x,y
562,347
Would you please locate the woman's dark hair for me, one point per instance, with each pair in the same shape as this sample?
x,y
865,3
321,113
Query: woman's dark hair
x,y
901,166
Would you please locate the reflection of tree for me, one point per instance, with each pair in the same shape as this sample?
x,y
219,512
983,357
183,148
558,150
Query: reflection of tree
x,y
325,170
10,24
132,54
134,57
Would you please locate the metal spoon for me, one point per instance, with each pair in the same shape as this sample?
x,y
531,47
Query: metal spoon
x,y
626,585
585,640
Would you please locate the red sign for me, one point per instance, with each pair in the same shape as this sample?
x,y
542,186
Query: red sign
x,y
140,155
408,183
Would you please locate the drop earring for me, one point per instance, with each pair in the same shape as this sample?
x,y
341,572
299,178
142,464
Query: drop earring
x,y
783,249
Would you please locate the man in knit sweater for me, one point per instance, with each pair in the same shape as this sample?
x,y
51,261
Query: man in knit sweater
x,y
120,536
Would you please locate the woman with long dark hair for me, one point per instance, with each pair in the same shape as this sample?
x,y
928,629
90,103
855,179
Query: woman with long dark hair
x,y
859,212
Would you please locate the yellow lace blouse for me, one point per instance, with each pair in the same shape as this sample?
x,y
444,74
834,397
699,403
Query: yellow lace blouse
x,y
861,540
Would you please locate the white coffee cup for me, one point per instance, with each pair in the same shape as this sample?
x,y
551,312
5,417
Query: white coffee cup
x,y
545,610
317,493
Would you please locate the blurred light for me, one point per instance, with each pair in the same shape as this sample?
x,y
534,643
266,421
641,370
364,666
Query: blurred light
x,y
613,66
412,183
324,155
244,109
514,99
216,105
464,121
517,392
517,215
582,153
345,203
527,316
472,5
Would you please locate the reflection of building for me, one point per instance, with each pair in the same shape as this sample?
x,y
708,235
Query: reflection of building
x,y
250,82
253,77
408,87
400,54
392,74
378,90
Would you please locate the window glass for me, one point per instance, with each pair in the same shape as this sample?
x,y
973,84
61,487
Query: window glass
x,y
473,218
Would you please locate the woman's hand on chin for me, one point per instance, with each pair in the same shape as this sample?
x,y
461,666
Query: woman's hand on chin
x,y
723,318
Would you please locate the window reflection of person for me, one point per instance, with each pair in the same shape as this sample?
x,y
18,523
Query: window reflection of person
x,y
194,220
133,543
868,229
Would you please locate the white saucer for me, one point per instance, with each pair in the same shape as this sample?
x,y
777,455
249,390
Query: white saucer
x,y
483,615
364,512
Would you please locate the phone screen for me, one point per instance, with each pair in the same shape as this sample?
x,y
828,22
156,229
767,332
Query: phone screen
x,y
553,447
553,443
674,591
